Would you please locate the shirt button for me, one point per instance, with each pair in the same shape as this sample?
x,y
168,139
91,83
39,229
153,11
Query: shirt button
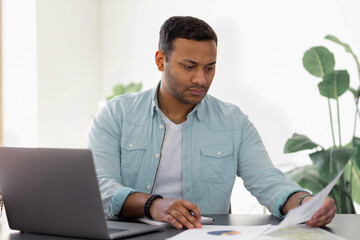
x,y
219,152
161,126
148,187
131,145
157,155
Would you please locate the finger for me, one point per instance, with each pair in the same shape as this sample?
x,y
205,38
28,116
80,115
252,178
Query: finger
x,y
322,219
193,208
182,217
189,215
329,212
195,216
170,219
327,206
319,223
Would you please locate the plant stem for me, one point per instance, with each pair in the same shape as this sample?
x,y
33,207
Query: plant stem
x,y
346,203
342,197
356,113
331,123
332,194
349,201
353,145
351,174
338,115
357,63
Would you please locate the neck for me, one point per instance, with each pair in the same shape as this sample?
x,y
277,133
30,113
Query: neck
x,y
173,109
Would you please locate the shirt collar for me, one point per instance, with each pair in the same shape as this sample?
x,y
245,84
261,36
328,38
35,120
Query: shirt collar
x,y
199,109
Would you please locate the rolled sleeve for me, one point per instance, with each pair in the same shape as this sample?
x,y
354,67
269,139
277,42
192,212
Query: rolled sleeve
x,y
281,199
117,201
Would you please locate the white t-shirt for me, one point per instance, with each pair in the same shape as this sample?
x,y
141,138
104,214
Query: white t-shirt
x,y
168,181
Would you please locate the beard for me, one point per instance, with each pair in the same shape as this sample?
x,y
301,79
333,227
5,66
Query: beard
x,y
178,91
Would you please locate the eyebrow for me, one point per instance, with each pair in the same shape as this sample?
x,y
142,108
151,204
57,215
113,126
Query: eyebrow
x,y
193,62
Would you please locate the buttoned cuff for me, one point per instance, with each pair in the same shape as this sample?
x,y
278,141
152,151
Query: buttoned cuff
x,y
281,200
117,201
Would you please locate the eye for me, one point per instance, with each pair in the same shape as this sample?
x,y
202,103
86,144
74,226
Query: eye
x,y
210,68
188,67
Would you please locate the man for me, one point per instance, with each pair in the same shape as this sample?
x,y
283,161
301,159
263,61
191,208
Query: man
x,y
172,153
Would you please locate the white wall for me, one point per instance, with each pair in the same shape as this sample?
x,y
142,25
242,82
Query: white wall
x,y
51,71
68,65
19,72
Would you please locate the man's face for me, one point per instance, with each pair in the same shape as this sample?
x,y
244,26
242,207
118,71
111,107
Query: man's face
x,y
189,70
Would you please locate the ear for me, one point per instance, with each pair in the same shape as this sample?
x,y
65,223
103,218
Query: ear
x,y
160,60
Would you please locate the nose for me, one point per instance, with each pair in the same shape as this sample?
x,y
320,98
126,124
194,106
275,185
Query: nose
x,y
199,77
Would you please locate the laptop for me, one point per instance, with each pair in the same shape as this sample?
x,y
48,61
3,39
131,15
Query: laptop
x,y
55,191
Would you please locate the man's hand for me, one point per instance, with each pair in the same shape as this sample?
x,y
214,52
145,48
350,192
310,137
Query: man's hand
x,y
324,215
177,212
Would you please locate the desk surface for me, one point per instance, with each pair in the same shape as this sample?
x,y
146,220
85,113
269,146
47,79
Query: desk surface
x,y
344,225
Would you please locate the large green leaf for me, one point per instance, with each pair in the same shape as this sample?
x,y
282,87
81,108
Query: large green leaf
x,y
330,162
355,185
345,45
299,142
334,84
319,61
307,177
356,157
353,167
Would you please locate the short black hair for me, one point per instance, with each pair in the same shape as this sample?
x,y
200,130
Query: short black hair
x,y
184,27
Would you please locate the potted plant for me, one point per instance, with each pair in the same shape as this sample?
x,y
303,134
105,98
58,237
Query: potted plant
x,y
120,89
327,163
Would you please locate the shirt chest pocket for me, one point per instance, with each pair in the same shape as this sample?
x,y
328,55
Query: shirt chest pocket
x,y
217,162
132,155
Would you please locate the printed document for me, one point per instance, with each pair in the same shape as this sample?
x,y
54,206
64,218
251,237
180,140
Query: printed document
x,y
300,232
219,232
304,212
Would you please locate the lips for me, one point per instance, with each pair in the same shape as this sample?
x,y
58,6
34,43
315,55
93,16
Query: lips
x,y
196,91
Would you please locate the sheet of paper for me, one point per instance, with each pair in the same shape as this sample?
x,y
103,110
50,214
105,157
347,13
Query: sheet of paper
x,y
300,232
304,212
219,232
204,220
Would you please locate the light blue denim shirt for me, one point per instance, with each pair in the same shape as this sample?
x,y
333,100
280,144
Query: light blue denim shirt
x,y
219,143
